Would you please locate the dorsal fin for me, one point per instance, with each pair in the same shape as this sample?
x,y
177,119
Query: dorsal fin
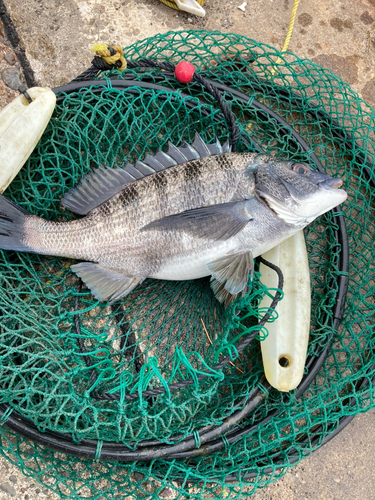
x,y
100,185
200,146
97,187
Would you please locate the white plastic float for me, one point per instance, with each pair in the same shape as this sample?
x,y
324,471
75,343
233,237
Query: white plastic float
x,y
21,126
284,350
191,6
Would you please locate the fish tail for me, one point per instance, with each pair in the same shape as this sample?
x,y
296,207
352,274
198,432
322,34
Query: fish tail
x,y
12,226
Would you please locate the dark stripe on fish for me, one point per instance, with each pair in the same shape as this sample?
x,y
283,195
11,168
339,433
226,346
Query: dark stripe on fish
x,y
192,170
129,195
160,180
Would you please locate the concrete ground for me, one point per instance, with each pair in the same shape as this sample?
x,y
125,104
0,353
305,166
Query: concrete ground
x,y
51,46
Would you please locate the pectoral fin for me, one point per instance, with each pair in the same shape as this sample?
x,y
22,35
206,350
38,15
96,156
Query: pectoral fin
x,y
215,222
232,272
105,284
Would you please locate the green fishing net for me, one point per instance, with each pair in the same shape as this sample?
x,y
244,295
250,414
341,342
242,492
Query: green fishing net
x,y
76,375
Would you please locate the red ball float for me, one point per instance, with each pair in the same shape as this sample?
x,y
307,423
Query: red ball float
x,y
184,72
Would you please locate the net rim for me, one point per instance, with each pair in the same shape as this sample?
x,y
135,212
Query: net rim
x,y
160,473
50,439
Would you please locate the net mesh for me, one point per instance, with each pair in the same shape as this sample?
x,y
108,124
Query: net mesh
x,y
166,332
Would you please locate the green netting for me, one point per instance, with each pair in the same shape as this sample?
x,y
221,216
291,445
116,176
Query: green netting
x,y
157,336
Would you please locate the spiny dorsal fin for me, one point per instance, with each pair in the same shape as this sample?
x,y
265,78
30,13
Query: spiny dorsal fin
x,y
100,185
200,146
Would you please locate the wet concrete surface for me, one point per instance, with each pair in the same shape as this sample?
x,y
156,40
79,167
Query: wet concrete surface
x,y
341,469
10,70
339,35
57,35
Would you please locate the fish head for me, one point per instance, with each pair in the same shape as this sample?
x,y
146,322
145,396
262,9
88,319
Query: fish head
x,y
295,192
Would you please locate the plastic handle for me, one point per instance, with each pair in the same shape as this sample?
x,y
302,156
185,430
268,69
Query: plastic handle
x,y
191,6
284,350
21,126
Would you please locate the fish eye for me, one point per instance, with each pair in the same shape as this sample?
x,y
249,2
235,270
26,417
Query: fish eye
x,y
300,168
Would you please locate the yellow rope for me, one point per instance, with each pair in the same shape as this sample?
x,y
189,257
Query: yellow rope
x,y
102,50
290,31
291,26
170,3
286,43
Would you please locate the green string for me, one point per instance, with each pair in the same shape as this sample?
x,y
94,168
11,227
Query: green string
x,y
197,439
98,451
6,415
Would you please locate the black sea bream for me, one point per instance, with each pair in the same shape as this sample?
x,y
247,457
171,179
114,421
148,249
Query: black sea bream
x,y
191,212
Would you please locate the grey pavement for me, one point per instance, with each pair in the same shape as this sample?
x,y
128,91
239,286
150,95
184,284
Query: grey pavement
x,y
338,34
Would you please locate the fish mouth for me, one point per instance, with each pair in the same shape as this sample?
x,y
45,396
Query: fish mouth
x,y
332,183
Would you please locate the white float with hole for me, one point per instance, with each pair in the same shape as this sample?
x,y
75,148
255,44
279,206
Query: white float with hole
x,y
284,350
21,126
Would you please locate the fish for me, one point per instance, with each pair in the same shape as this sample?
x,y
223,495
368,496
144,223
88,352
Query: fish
x,y
197,210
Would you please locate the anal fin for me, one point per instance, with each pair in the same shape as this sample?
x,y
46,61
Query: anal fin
x,y
104,283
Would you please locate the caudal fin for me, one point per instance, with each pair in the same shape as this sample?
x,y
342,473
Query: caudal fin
x,y
12,226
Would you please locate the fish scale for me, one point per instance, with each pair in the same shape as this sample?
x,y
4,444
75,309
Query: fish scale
x,y
160,218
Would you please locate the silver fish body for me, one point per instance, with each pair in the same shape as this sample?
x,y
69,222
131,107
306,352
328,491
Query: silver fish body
x,y
207,216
